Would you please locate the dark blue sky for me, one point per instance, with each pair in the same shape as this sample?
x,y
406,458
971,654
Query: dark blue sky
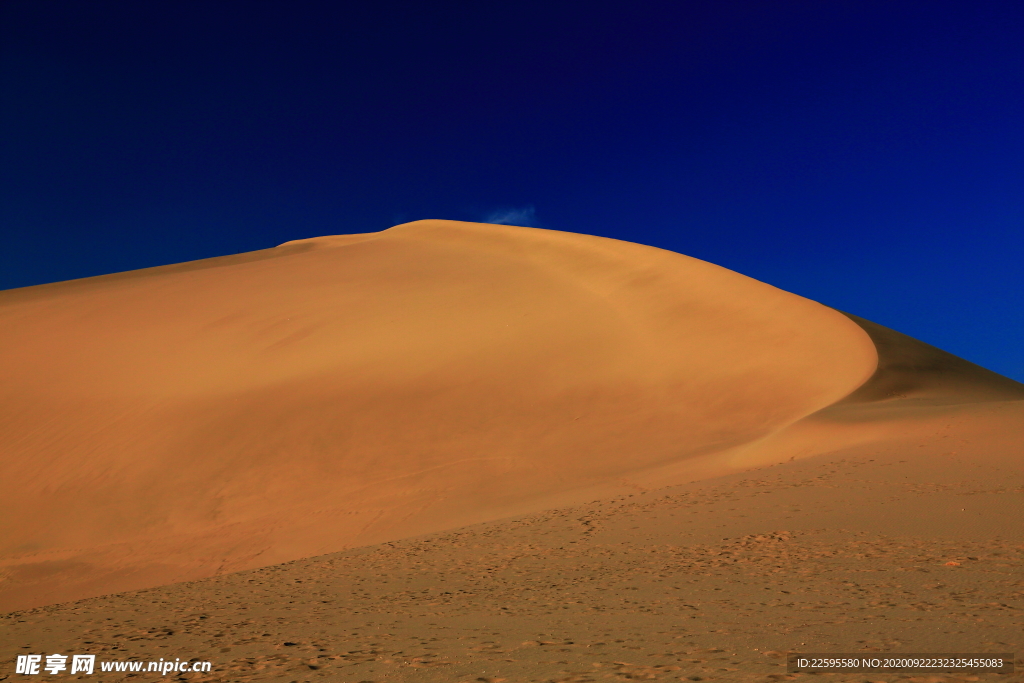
x,y
868,155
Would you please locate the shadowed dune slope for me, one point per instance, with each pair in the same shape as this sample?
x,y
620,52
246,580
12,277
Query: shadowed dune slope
x,y
180,422
911,369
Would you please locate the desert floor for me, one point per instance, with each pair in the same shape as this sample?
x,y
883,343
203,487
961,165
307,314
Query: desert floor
x,y
913,546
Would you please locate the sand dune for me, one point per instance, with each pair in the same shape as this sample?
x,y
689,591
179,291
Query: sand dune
x,y
182,422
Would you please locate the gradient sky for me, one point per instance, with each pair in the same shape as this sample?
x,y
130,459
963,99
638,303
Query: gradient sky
x,y
868,155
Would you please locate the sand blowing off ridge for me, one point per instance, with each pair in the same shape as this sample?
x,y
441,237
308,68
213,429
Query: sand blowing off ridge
x,y
174,423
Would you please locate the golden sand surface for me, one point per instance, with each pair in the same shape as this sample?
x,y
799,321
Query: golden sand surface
x,y
465,452
912,545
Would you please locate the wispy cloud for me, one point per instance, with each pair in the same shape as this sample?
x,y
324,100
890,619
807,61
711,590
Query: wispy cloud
x,y
524,216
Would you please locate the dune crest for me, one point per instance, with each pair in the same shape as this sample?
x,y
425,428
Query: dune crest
x,y
175,423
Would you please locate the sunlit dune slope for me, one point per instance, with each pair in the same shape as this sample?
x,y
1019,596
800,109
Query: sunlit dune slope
x,y
177,422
